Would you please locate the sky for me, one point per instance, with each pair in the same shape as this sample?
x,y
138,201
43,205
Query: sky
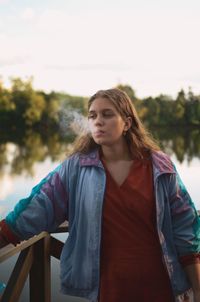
x,y
79,47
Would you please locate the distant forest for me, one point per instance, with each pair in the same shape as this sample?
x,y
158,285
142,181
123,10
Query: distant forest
x,y
21,106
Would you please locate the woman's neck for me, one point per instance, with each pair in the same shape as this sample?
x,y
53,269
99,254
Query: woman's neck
x,y
116,153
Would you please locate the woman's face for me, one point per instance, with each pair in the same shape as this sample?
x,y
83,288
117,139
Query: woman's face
x,y
105,123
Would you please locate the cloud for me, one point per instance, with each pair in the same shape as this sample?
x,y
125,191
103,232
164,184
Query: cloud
x,y
28,14
91,67
54,20
15,60
14,51
4,1
83,50
195,77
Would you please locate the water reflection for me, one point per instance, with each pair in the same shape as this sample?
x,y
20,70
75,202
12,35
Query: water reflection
x,y
184,143
21,151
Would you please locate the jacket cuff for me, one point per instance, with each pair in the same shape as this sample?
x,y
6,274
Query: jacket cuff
x,y
7,234
190,259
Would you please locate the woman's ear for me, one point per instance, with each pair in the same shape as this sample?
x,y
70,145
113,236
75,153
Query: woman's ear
x,y
128,123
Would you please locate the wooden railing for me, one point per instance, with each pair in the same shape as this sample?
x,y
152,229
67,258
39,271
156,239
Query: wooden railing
x,y
34,261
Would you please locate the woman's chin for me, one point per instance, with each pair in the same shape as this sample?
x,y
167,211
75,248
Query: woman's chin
x,y
101,141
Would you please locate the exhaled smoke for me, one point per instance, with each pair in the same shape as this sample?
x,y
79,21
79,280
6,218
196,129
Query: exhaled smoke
x,y
72,121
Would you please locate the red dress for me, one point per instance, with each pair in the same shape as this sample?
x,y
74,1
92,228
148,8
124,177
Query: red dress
x,y
131,266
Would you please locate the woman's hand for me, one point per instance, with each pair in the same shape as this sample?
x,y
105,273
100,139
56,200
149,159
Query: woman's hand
x,y
193,274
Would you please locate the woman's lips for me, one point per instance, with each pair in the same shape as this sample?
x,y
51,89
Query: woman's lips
x,y
99,133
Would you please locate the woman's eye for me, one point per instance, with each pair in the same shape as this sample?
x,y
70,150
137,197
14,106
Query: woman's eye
x,y
104,115
108,114
91,116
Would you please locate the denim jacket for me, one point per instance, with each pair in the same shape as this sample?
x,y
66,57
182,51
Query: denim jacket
x,y
74,191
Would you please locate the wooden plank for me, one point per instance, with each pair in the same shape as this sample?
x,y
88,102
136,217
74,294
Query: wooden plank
x,y
40,276
56,247
18,277
10,250
62,228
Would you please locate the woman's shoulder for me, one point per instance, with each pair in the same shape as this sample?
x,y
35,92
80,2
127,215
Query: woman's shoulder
x,y
160,155
162,162
82,159
71,159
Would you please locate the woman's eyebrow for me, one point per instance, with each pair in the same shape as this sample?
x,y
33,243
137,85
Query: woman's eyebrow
x,y
103,110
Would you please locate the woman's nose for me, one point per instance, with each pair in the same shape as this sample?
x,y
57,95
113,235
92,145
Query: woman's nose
x,y
98,120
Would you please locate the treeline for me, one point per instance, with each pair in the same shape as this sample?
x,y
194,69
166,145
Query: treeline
x,y
23,149
23,107
163,110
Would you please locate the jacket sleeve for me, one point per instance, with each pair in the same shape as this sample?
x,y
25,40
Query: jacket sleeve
x,y
185,219
44,210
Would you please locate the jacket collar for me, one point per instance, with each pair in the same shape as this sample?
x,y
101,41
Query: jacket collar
x,y
161,162
90,159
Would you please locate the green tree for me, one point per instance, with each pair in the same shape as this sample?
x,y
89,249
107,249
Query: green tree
x,y
129,90
178,108
192,109
5,100
181,97
29,104
152,111
77,103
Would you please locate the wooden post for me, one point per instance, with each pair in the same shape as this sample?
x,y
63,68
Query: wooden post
x,y
40,273
56,247
18,278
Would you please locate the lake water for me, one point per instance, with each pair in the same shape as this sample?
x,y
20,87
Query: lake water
x,y
14,187
18,185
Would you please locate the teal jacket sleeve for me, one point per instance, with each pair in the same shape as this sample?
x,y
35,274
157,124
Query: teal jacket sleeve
x,y
185,218
43,210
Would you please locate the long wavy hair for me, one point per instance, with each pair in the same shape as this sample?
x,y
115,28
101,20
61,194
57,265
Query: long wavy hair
x,y
137,137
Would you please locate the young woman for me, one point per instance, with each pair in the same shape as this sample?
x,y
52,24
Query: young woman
x,y
134,234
